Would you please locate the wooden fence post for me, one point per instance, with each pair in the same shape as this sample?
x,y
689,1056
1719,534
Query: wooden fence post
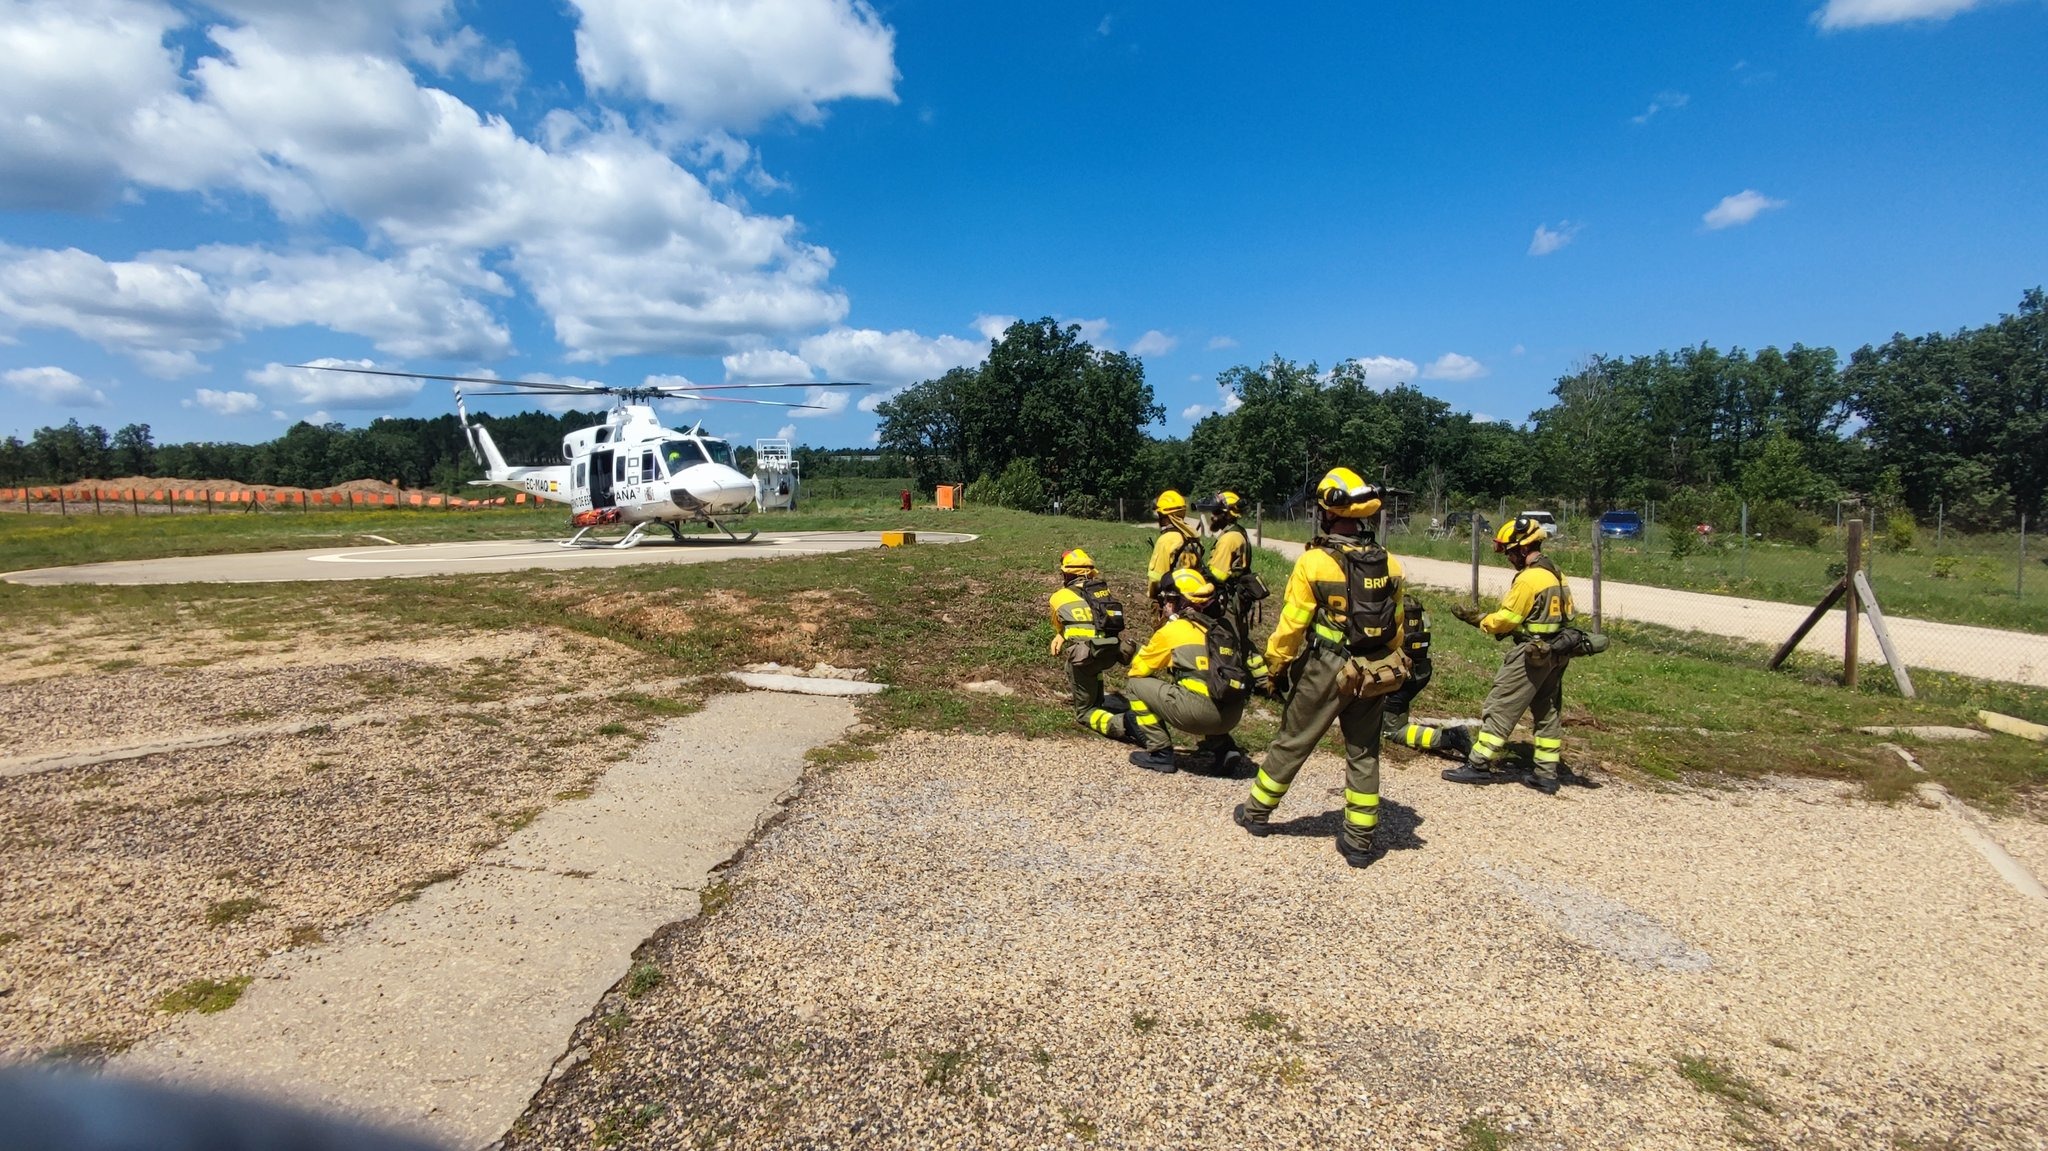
x,y
1854,611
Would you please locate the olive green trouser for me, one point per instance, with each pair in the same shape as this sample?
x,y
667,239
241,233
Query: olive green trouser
x,y
1086,676
1524,684
1312,705
1158,706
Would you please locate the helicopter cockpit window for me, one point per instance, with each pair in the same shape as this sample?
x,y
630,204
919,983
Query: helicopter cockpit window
x,y
680,454
719,452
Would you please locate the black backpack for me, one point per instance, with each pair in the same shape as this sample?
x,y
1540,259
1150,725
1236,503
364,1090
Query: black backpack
x,y
1109,613
1229,681
1369,602
1190,545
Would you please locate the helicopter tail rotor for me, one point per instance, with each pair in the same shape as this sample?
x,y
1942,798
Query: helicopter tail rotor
x,y
480,445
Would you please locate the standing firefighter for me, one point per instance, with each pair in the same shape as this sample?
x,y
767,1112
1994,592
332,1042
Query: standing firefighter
x,y
1177,546
1190,676
1238,588
1337,654
1087,633
1536,615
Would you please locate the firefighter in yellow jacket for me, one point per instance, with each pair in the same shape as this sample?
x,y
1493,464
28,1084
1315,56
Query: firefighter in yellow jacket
x,y
1536,609
1176,681
1337,654
1178,546
1087,634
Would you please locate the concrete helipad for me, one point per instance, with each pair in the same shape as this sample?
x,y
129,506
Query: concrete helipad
x,y
406,560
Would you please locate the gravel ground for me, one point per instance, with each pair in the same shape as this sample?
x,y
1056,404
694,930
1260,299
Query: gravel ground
x,y
1001,943
122,881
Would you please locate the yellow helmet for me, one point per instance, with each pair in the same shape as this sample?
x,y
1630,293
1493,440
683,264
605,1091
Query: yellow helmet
x,y
1518,532
1229,503
1077,562
1344,492
1191,585
1170,503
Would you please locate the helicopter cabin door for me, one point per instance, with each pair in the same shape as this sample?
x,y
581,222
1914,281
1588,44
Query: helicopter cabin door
x,y
601,479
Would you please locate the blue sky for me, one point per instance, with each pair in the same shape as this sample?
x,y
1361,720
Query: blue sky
x,y
1470,198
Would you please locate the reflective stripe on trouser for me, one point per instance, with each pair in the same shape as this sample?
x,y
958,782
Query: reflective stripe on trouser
x,y
1086,677
1180,708
1421,737
1361,811
1312,706
1152,735
1522,685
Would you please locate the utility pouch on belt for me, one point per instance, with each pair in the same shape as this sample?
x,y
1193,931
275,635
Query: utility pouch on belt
x,y
1369,677
1251,588
1571,643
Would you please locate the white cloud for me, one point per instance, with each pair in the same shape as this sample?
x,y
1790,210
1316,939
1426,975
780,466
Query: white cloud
x,y
993,327
899,357
227,403
786,432
346,390
825,402
729,65
1665,102
1384,372
1227,401
1739,209
1866,13
765,364
1548,239
1093,331
162,310
1452,366
1517,350
1217,343
1153,343
52,385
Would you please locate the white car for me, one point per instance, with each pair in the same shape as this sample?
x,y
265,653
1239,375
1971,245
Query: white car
x,y
1548,521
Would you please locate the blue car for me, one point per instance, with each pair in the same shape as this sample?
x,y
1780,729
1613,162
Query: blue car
x,y
1621,525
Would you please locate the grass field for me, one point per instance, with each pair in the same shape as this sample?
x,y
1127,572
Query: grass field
x,y
1662,706
1972,580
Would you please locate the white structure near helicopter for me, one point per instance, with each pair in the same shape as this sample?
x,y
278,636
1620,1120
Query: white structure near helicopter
x,y
630,470
775,475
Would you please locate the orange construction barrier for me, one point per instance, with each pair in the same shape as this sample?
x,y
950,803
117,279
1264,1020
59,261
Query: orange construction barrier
x,y
415,499
949,496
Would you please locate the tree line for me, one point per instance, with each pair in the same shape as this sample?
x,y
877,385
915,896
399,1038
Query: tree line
x,y
1951,424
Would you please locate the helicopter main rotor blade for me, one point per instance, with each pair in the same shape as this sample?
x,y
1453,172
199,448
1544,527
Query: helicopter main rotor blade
x,y
738,400
536,385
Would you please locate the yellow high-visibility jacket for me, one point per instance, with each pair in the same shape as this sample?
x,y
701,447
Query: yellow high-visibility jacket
x,y
1180,650
1164,550
1314,589
1537,604
1072,617
1230,555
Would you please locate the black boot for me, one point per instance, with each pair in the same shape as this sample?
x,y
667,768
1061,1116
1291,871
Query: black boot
x,y
1114,702
1160,761
1471,772
1547,784
1454,740
1355,855
1254,824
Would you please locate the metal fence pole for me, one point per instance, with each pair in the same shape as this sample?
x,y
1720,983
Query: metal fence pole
x,y
1598,548
1474,525
1938,509
2019,587
1745,541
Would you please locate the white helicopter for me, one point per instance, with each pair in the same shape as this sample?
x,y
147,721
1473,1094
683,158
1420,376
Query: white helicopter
x,y
627,470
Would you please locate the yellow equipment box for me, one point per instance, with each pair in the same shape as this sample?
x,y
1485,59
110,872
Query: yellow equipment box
x,y
898,539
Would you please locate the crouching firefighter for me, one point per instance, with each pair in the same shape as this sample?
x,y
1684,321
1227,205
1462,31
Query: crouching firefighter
x,y
1337,653
1238,588
1189,676
1535,617
1453,740
1088,636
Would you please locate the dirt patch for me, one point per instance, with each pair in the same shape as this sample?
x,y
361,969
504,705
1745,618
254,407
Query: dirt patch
x,y
121,883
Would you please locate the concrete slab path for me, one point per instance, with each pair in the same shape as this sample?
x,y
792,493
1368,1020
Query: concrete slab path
x,y
443,1015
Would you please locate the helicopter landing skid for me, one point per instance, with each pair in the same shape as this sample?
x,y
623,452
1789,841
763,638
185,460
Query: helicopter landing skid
x,y
748,538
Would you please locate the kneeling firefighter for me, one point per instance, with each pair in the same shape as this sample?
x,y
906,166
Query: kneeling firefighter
x,y
1337,653
1453,740
1190,676
1088,635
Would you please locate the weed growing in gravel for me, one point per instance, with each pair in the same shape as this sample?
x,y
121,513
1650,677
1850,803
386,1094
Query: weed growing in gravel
x,y
95,1048
1144,1024
716,897
7,937
1289,1071
613,1024
1042,1057
318,766
616,728
1714,1079
305,935
1260,1019
233,910
510,821
644,978
573,794
206,996
655,704
1082,1128
1479,1134
620,1122
942,1067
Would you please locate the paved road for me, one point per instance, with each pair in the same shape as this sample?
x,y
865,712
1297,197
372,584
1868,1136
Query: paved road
x,y
407,560
1986,653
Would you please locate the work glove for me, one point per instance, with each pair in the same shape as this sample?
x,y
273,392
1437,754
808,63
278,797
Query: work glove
x,y
1469,612
1057,643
